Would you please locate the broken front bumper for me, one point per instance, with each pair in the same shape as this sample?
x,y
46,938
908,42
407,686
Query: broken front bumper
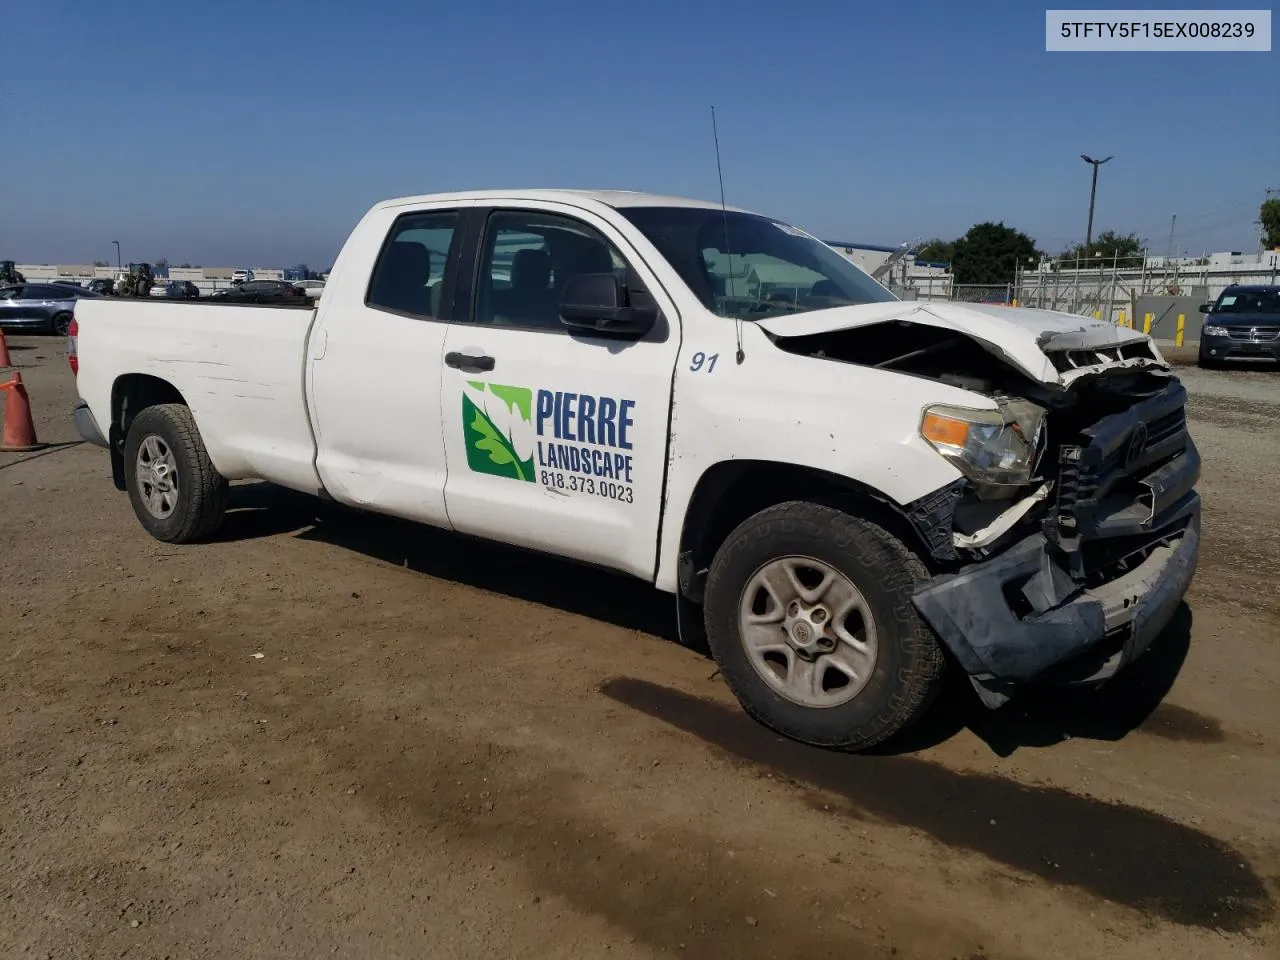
x,y
1116,620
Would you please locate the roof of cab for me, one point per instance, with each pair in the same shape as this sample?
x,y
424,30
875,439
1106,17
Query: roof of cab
x,y
609,198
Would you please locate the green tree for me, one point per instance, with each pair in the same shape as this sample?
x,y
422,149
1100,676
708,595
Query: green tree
x,y
990,253
936,250
1125,249
1269,215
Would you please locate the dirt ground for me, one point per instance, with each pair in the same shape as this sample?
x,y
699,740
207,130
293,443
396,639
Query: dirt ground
x,y
336,735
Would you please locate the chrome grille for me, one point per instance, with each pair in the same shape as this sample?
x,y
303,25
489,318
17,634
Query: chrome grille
x,y
1253,334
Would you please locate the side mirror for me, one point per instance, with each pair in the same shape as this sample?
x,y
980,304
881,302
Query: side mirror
x,y
1206,308
598,303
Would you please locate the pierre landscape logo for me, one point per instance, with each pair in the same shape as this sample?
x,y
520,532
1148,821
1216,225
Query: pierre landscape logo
x,y
565,442
497,424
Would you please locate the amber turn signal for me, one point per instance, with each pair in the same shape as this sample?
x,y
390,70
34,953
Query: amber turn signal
x,y
946,430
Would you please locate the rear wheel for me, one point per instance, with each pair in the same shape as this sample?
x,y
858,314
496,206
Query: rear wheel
x,y
60,324
176,493
809,617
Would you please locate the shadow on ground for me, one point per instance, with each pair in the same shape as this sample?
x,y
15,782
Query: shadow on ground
x,y
262,510
1039,718
1119,853
1044,716
41,452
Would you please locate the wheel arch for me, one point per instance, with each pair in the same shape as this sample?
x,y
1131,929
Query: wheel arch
x,y
131,393
729,492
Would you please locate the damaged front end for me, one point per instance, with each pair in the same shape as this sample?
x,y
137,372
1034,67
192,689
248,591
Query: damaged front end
x,y
1070,540
1093,575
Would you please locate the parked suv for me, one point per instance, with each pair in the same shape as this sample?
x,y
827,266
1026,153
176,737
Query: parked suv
x,y
1243,324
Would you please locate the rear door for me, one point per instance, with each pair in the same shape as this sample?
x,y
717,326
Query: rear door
x,y
375,363
555,440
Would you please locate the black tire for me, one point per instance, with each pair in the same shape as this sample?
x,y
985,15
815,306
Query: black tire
x,y
201,491
59,324
1208,363
909,667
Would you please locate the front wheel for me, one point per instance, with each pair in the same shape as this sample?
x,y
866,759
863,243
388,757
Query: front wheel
x,y
177,494
809,617
60,324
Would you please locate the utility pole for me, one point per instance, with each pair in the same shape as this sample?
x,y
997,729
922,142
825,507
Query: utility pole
x,y
1169,255
117,243
1093,192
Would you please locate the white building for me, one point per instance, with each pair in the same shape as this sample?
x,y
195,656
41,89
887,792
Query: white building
x,y
910,278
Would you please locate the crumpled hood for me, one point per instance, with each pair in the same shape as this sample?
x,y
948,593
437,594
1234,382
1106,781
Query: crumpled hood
x,y
1024,337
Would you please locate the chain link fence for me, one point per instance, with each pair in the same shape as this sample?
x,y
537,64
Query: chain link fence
x,y
1114,291
983,293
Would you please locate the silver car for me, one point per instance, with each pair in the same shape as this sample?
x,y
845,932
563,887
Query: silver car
x,y
40,306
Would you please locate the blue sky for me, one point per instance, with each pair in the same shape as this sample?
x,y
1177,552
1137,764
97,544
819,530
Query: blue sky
x,y
238,132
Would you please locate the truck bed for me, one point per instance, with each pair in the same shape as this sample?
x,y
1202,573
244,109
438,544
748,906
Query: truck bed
x,y
239,368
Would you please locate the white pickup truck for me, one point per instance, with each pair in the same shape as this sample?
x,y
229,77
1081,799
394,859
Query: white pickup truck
x,y
844,491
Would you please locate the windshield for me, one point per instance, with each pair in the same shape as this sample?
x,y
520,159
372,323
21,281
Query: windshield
x,y
765,268
1249,301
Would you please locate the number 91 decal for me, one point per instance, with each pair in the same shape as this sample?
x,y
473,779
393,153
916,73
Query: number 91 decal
x,y
703,363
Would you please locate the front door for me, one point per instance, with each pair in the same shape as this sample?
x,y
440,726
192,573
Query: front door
x,y
375,362
555,440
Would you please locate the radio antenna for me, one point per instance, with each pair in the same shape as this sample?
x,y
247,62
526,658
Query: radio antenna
x,y
724,216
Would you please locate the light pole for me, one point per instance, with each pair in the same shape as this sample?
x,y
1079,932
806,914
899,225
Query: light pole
x,y
1093,192
117,243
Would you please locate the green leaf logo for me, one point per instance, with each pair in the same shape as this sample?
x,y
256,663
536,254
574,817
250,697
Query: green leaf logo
x,y
497,425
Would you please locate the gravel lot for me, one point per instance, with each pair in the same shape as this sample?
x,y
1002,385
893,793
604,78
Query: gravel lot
x,y
445,749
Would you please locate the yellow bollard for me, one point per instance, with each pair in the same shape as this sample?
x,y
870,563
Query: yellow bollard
x,y
1121,322
1146,323
1097,314
1015,302
1182,322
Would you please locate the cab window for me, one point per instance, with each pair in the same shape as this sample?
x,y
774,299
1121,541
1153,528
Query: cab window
x,y
409,275
527,258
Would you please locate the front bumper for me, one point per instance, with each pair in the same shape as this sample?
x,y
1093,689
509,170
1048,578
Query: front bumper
x,y
1225,348
1116,620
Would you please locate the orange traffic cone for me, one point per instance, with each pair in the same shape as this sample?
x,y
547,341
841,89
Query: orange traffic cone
x,y
19,432
4,352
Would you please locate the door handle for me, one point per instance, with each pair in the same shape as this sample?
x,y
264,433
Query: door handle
x,y
467,361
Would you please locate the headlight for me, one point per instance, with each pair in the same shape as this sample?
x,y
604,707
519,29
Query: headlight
x,y
1212,330
991,447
